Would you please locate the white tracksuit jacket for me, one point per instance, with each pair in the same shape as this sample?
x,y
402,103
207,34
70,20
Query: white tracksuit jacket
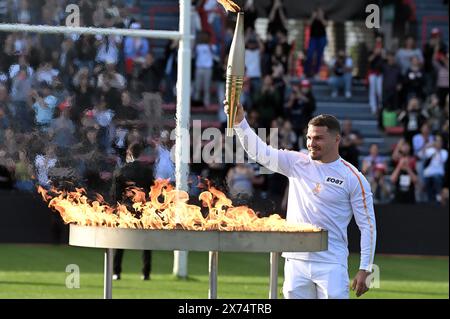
x,y
325,195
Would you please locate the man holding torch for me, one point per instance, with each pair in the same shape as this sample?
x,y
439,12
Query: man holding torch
x,y
326,191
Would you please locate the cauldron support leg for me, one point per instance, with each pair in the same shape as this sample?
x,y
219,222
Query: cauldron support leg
x,y
274,256
107,283
213,265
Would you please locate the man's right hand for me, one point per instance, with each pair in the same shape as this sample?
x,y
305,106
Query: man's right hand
x,y
239,112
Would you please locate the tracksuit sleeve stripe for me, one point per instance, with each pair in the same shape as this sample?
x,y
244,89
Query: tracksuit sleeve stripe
x,y
367,253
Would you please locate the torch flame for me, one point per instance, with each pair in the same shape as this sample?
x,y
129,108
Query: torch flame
x,y
229,5
164,208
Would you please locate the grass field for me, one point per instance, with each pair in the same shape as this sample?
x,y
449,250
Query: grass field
x,y
38,271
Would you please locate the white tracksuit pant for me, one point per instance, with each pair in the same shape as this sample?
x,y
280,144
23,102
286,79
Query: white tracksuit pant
x,y
315,280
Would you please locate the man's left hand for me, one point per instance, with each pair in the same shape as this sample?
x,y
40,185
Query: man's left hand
x,y
359,283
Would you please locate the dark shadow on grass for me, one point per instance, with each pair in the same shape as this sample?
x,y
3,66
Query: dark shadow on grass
x,y
47,284
411,292
188,278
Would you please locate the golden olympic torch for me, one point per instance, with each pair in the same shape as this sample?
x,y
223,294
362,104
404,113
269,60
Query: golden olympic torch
x,y
235,65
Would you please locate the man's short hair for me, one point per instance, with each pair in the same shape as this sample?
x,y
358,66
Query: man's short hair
x,y
328,121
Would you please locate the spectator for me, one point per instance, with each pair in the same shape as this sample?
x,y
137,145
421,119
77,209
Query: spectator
x,y
86,9
212,23
107,50
253,54
9,143
24,14
434,169
412,119
164,166
275,129
43,163
380,187
112,93
60,92
150,74
88,156
317,42
434,44
135,173
44,106
253,119
278,77
63,130
135,49
49,12
6,174
265,101
22,64
405,18
204,61
277,17
414,81
196,24
440,63
280,58
126,118
301,106
8,53
341,76
370,162
220,77
85,52
436,115
103,118
251,15
66,62
99,15
110,77
288,137
391,85
4,120
20,91
6,108
405,54
421,142
376,76
23,173
46,73
47,41
404,176
350,142
215,170
170,70
4,10
22,44
84,93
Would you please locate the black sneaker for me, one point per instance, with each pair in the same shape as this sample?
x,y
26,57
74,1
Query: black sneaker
x,y
145,277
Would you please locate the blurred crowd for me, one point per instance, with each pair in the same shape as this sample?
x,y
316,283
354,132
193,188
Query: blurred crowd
x,y
71,105
408,90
